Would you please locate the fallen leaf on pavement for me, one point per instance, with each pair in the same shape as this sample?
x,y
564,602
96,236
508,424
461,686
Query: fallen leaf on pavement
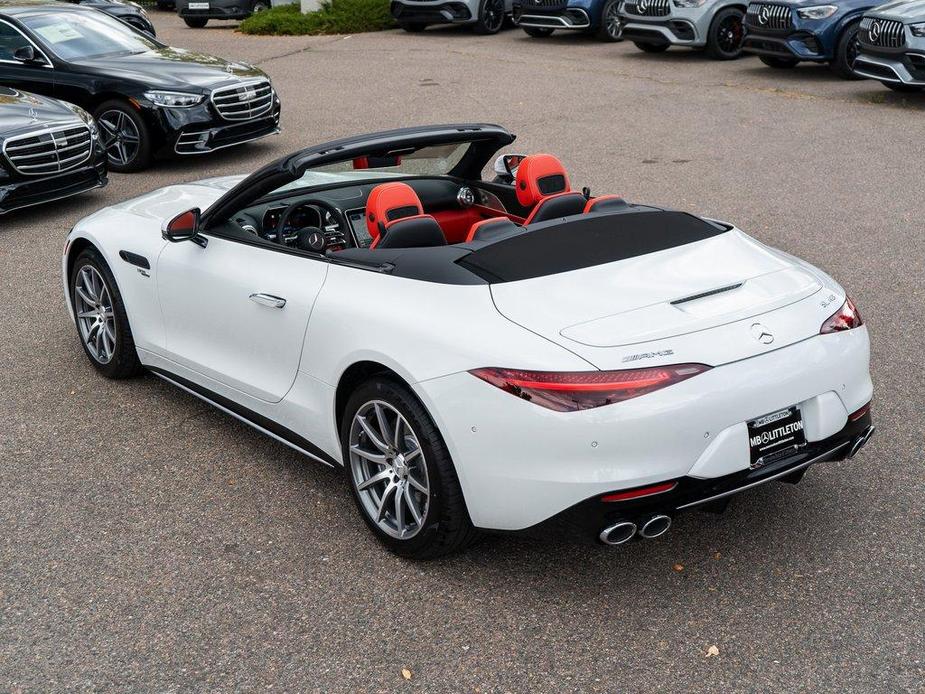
x,y
678,567
406,673
712,651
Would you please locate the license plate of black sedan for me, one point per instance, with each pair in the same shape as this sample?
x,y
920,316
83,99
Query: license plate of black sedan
x,y
772,436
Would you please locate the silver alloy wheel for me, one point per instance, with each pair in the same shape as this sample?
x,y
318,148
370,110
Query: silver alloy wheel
x,y
388,470
612,21
120,136
95,319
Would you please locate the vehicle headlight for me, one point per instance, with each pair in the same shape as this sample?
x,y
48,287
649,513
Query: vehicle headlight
x,y
86,118
173,99
689,3
917,29
817,12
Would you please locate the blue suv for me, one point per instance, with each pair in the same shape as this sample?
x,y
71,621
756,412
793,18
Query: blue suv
x,y
539,18
786,33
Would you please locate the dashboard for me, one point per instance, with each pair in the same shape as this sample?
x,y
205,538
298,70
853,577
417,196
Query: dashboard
x,y
335,218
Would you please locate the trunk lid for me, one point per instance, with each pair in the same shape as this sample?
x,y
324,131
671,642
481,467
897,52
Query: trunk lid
x,y
696,302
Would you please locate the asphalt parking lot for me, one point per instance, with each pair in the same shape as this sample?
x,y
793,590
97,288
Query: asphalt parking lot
x,y
150,543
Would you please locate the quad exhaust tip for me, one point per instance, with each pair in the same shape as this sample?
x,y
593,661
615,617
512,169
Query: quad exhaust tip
x,y
619,533
861,441
656,526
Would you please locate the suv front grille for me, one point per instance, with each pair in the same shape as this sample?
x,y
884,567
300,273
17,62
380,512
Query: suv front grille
x,y
883,33
49,151
764,17
648,8
244,101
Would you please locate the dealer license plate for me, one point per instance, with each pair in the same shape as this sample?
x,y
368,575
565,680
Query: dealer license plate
x,y
771,436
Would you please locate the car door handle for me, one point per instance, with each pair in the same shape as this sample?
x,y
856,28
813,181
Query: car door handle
x,y
268,300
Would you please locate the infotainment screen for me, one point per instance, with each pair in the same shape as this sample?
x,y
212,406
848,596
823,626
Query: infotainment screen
x,y
357,219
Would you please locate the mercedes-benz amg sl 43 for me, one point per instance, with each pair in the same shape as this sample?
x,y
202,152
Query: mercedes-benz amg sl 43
x,y
504,355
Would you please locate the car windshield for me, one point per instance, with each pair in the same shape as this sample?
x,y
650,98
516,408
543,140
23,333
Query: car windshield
x,y
80,35
437,160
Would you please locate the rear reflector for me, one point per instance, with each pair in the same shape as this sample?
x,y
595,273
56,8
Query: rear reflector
x,y
642,491
856,415
569,391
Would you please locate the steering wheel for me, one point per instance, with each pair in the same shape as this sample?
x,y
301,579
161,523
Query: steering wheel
x,y
311,238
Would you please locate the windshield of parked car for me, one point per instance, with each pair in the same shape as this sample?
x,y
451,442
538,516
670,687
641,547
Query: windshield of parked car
x,y
436,160
81,35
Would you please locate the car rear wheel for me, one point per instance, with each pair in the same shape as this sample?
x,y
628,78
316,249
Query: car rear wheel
x,y
400,473
903,88
491,17
195,22
651,47
125,137
779,63
727,32
846,53
611,28
102,323
538,32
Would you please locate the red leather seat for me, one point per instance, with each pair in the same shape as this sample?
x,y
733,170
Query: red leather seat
x,y
543,185
396,219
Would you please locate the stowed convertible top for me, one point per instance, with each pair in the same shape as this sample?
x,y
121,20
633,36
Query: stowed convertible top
x,y
548,248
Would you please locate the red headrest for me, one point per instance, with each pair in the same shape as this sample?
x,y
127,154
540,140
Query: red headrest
x,y
388,203
539,176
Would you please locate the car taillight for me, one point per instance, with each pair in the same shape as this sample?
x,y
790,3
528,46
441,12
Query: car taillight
x,y
569,391
845,318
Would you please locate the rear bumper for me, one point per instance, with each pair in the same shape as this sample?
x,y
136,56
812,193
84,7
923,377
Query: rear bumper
x,y
432,12
26,192
586,520
905,68
520,464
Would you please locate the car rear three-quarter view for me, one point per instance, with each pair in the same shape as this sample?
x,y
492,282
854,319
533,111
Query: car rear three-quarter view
x,y
509,355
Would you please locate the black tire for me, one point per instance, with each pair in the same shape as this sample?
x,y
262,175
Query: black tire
x,y
412,27
124,361
779,63
903,88
445,527
141,158
195,22
491,17
651,47
538,32
608,31
260,6
845,53
726,34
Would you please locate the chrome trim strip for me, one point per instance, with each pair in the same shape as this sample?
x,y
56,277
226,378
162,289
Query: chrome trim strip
x,y
547,21
242,419
275,131
782,473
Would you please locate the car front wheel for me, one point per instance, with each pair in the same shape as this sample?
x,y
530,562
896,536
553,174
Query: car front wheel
x,y
125,136
846,53
491,17
99,312
400,473
611,28
727,32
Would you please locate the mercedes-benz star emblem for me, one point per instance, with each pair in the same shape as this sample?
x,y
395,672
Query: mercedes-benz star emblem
x,y
764,15
874,31
762,334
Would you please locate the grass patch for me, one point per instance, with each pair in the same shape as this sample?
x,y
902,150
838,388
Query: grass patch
x,y
334,17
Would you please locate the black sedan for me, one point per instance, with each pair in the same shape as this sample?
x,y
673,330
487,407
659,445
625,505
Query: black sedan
x,y
147,98
51,150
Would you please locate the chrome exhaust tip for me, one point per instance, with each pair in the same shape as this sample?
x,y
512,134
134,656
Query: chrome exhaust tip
x,y
656,526
860,442
619,533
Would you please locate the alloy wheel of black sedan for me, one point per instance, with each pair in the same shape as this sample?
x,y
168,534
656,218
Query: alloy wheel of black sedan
x,y
120,137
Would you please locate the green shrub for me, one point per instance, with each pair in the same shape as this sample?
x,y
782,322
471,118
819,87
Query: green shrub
x,y
334,17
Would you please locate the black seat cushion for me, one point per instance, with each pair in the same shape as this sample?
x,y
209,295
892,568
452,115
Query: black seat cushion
x,y
556,206
414,232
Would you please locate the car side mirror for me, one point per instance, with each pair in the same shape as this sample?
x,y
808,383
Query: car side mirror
x,y
25,54
506,166
184,227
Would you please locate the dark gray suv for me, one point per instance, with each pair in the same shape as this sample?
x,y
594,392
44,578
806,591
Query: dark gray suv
x,y
197,13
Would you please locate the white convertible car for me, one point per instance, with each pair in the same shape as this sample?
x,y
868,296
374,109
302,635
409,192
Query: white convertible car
x,y
505,354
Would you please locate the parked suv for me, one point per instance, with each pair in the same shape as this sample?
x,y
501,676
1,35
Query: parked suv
x,y
539,18
197,13
892,40
716,25
484,16
786,33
